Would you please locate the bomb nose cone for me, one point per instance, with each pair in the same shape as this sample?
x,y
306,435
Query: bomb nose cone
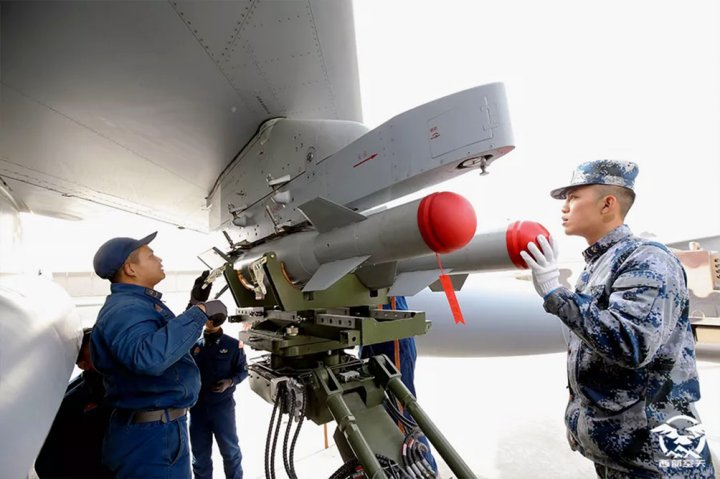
x,y
519,234
447,221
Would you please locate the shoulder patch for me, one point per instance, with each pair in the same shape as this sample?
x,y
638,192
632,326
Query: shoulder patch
x,y
153,294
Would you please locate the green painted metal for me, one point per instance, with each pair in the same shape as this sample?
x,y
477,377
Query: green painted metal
x,y
355,438
318,331
306,334
348,291
387,376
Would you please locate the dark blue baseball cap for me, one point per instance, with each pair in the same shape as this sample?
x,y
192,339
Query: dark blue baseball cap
x,y
113,253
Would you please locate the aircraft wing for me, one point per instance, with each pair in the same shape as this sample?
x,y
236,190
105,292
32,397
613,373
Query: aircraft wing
x,y
140,106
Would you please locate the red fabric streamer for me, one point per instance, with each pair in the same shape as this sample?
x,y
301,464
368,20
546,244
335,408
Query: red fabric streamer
x,y
447,285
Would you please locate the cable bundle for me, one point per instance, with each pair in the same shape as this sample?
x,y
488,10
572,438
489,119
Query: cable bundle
x,y
413,454
285,400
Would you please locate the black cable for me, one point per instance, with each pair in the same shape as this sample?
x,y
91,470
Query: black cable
x,y
388,463
286,440
422,451
404,449
397,416
296,435
416,461
268,439
393,401
401,472
343,471
412,455
417,452
280,399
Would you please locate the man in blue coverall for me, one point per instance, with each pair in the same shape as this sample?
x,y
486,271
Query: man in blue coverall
x,y
222,365
402,351
143,352
631,357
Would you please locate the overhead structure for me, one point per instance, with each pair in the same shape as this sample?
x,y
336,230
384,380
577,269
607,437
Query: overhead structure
x,y
140,106
245,117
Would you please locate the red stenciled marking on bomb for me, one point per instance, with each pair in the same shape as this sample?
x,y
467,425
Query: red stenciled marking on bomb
x,y
371,157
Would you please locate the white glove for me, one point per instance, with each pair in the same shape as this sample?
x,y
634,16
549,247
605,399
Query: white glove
x,y
545,272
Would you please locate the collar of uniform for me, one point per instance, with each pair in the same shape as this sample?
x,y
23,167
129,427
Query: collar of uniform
x,y
134,288
213,336
598,248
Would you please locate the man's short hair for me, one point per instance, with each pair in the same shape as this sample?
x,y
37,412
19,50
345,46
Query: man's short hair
x,y
132,258
625,196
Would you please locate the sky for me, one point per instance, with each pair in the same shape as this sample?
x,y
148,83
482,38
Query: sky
x,y
630,80
634,80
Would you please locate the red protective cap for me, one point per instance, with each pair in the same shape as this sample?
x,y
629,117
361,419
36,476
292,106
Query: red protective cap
x,y
518,235
447,221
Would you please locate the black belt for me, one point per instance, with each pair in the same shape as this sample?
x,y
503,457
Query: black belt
x,y
162,415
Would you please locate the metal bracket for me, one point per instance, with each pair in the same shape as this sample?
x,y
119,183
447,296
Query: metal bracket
x,y
258,276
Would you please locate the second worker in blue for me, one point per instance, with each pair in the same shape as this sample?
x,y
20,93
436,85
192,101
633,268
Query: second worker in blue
x,y
222,365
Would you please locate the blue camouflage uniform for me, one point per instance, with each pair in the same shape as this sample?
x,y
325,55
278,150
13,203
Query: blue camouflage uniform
x,y
631,361
142,350
218,356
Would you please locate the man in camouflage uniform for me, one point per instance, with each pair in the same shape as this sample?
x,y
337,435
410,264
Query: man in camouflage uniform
x,y
631,357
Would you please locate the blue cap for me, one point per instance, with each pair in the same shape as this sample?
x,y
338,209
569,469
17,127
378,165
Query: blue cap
x,y
111,255
600,172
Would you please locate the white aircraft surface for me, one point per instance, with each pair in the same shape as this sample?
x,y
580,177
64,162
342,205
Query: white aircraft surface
x,y
162,109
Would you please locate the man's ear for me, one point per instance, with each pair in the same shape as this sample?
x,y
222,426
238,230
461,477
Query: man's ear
x,y
609,202
129,270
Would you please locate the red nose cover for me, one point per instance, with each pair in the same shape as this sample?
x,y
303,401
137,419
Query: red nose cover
x,y
518,235
447,221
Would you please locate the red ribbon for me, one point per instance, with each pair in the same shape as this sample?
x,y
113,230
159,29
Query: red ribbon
x,y
447,285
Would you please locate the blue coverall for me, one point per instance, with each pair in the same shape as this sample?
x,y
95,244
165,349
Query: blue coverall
x,y
408,357
143,352
218,356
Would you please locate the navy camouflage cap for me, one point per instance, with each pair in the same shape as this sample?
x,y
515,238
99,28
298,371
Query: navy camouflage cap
x,y
600,172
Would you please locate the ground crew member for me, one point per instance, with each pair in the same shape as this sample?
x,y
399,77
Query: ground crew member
x,y
631,357
222,365
142,351
73,446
